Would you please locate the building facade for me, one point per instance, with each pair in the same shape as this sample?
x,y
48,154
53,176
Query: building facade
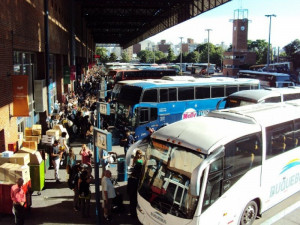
x,y
38,47
239,57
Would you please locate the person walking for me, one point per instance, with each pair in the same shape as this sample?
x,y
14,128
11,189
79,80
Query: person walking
x,y
86,155
18,198
129,140
85,193
108,193
55,158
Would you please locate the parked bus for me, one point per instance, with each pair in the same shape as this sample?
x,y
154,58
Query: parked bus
x,y
268,79
280,67
155,103
119,75
224,168
201,68
248,97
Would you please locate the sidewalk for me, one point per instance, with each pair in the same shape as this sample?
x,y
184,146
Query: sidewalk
x,y
55,204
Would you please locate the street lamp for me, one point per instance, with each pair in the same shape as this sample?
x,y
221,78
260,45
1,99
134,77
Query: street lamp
x,y
268,55
208,65
181,55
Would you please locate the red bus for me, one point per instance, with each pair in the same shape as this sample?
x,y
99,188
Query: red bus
x,y
119,75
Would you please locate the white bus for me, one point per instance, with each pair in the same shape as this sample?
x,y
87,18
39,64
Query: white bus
x,y
247,97
224,168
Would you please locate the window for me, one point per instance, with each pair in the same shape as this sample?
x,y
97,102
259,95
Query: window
x,y
244,87
241,155
186,93
150,96
280,138
231,89
217,91
163,95
147,114
172,94
202,92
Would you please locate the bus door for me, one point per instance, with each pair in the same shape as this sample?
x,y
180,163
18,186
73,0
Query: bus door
x,y
144,117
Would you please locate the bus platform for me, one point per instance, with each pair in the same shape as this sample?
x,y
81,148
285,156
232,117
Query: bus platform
x,y
54,205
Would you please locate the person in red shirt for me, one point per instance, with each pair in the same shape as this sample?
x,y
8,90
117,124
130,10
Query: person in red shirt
x,y
18,197
86,157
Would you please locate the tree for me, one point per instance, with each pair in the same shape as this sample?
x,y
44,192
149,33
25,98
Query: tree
x,y
292,48
171,56
192,57
103,54
125,57
160,57
113,57
145,56
261,49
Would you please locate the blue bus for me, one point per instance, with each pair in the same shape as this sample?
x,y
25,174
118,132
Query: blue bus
x,y
157,102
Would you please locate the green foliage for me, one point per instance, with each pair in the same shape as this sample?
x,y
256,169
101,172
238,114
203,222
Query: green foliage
x,y
145,56
192,57
171,56
103,54
292,48
125,57
261,49
113,57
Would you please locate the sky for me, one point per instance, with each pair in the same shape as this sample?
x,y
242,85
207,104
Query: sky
x,y
285,26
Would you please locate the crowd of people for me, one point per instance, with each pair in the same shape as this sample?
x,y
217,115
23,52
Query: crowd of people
x,y
77,113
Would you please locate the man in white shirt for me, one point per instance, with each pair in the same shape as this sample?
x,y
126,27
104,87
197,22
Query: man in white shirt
x,y
108,193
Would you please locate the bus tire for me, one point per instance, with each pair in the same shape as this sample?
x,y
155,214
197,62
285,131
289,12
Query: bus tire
x,y
249,213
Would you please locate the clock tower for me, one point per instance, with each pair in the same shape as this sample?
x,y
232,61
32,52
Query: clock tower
x,y
240,30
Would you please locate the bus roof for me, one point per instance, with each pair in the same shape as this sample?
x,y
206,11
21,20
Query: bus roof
x,y
261,94
196,133
180,81
265,73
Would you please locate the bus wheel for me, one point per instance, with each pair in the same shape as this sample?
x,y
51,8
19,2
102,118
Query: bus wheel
x,y
249,214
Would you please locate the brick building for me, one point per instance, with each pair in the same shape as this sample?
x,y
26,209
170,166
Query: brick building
x,y
239,57
26,48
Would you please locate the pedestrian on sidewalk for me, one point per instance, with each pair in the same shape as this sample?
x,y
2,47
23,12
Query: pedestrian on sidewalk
x,y
17,195
108,193
84,192
86,157
55,158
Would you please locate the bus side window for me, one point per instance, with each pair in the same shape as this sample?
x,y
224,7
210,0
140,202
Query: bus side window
x,y
217,91
230,90
163,95
186,93
150,96
241,155
172,94
277,139
202,92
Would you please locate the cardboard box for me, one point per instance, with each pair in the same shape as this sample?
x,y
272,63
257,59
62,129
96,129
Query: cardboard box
x,y
7,154
35,156
30,144
33,138
37,127
36,132
28,131
4,171
20,158
22,172
54,133
3,160
48,140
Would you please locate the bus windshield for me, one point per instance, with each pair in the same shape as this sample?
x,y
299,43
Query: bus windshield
x,y
166,178
130,94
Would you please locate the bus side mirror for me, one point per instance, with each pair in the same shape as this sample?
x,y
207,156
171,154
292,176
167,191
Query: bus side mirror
x,y
198,171
219,103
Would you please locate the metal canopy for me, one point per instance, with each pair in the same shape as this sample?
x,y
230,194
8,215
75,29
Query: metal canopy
x,y
127,22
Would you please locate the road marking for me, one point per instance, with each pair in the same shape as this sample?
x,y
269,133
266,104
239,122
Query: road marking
x,y
281,214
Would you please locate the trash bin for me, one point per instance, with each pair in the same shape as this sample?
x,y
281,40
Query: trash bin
x,y
122,169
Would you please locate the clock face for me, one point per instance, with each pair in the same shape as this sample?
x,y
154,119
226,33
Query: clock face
x,y
242,28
